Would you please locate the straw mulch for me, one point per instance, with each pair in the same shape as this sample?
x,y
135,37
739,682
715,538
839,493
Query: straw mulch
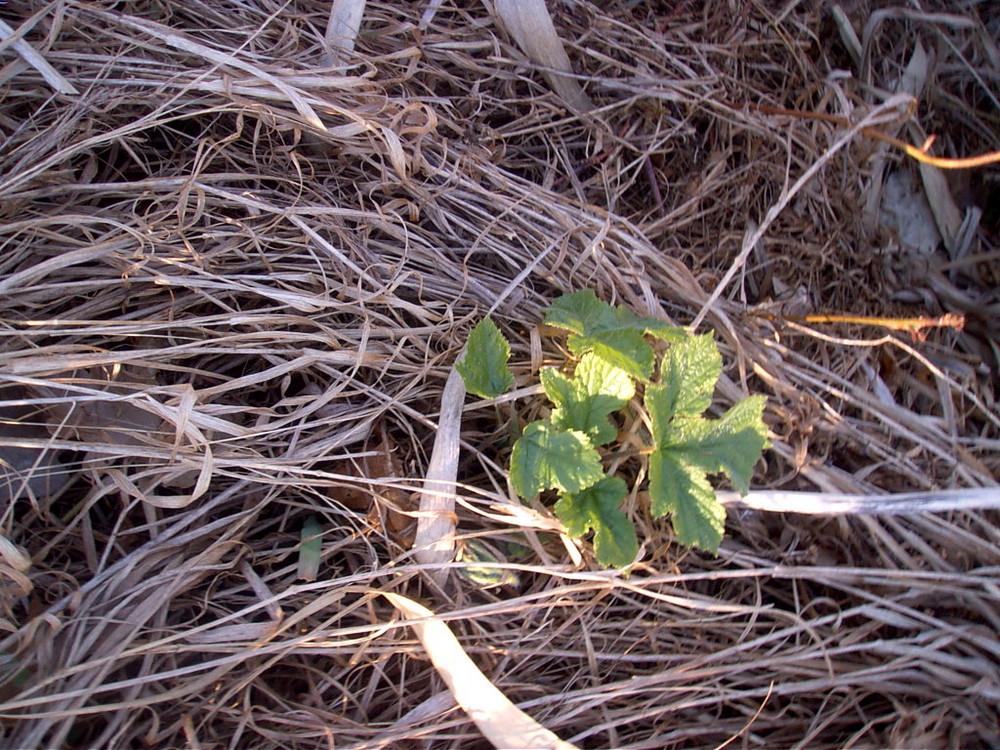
x,y
233,282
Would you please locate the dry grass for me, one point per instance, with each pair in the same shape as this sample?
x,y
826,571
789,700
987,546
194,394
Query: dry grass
x,y
232,282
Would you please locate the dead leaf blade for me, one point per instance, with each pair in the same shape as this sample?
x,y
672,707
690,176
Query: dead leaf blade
x,y
500,721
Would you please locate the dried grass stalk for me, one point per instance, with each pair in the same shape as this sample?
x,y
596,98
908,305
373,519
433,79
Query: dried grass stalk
x,y
529,22
434,543
9,36
500,721
342,28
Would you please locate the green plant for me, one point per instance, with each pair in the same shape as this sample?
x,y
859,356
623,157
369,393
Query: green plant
x,y
613,354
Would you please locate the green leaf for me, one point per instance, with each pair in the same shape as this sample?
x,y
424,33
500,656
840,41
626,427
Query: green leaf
x,y
611,343
688,447
484,369
689,372
596,508
699,518
584,401
625,349
730,445
488,572
661,329
581,312
615,334
545,457
310,549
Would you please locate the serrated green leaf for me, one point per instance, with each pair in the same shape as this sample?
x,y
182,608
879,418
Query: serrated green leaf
x,y
581,312
690,448
689,372
660,407
687,447
661,329
584,401
597,508
625,349
615,334
545,457
484,369
699,518
731,445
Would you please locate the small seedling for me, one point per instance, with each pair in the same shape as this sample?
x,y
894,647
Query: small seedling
x,y
614,357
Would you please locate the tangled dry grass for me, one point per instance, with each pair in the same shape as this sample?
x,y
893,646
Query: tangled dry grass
x,y
233,281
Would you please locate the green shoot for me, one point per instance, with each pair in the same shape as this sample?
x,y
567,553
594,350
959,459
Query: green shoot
x,y
615,356
484,369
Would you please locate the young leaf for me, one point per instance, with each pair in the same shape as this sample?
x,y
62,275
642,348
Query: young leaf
x,y
584,402
581,312
690,448
624,348
699,518
596,508
613,334
730,445
484,368
661,329
689,372
545,457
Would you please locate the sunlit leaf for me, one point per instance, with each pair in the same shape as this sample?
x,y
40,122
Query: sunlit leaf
x,y
613,350
581,312
615,334
545,457
484,369
730,445
688,448
675,487
584,401
689,372
597,508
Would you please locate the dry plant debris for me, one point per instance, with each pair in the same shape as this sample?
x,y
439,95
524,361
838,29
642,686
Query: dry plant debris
x,y
231,276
